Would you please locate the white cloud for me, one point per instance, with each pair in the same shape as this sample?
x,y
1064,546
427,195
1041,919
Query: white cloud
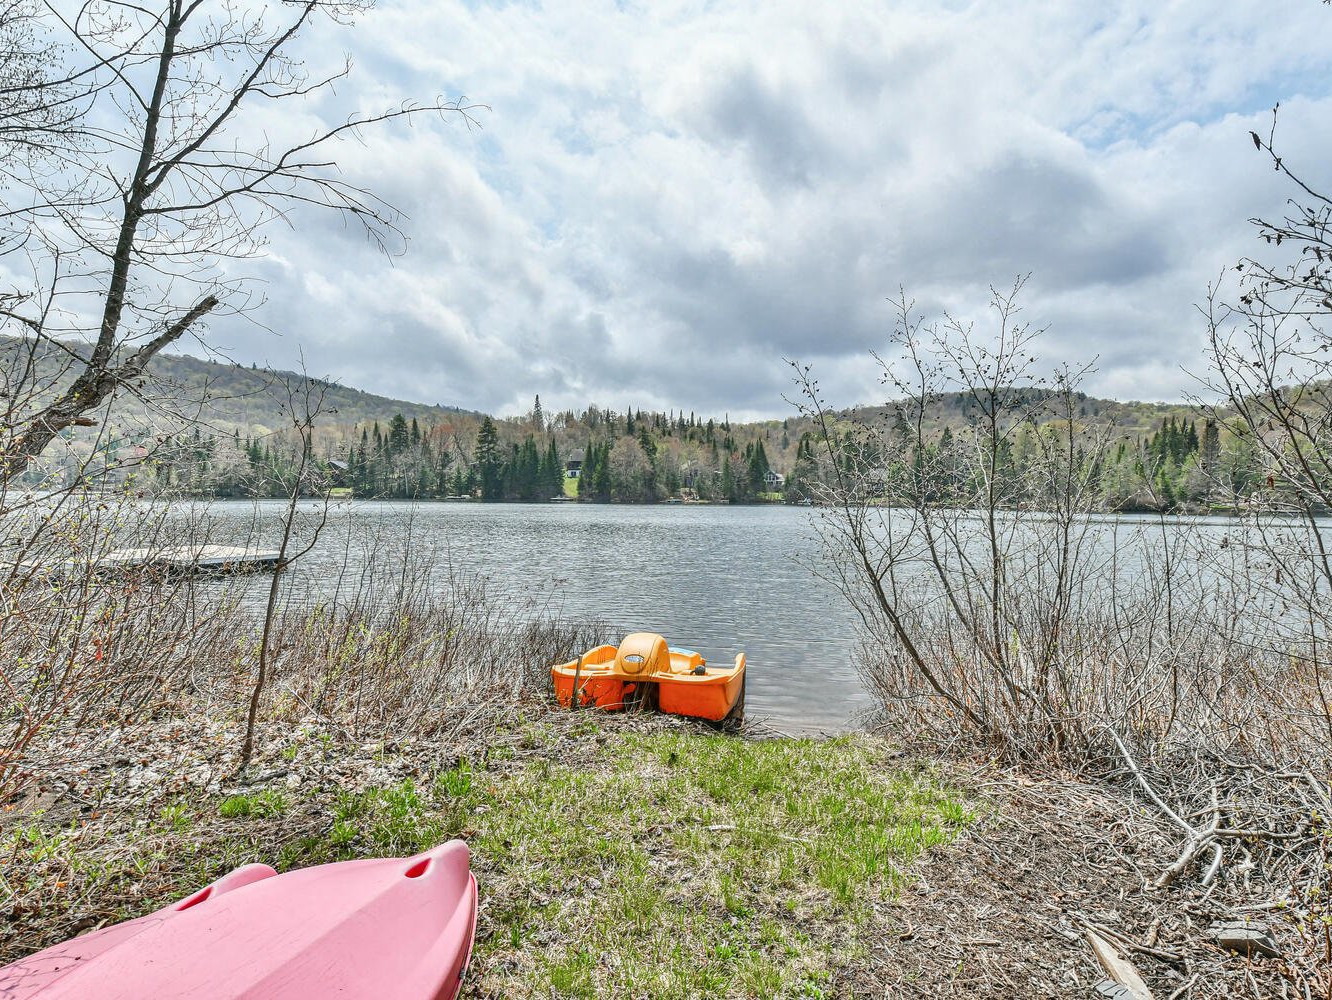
x,y
667,199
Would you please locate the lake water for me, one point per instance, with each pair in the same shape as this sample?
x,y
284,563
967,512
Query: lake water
x,y
718,579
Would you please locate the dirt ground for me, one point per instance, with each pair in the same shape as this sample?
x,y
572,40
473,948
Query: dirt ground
x,y
1003,911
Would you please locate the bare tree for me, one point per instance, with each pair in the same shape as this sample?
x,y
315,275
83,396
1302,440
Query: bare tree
x,y
1270,356
303,407
130,173
35,120
967,566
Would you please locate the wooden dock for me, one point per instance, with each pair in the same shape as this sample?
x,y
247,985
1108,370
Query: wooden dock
x,y
190,559
171,560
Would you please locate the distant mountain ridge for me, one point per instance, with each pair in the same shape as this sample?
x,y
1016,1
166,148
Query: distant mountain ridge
x,y
230,398
955,410
251,402
254,401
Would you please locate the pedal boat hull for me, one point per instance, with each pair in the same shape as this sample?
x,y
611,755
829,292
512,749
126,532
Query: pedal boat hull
x,y
610,677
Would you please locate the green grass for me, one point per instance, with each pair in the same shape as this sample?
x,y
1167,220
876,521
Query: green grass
x,y
610,863
671,865
262,805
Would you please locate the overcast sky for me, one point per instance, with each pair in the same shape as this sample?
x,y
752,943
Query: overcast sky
x,y
664,200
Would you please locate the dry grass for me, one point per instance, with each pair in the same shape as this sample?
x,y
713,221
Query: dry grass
x,y
392,647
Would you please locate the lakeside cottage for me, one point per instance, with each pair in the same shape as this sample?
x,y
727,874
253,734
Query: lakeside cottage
x,y
339,473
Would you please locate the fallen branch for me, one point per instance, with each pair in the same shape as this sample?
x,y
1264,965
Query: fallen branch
x,y
1195,840
1124,941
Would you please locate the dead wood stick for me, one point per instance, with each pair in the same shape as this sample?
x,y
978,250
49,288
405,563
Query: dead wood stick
x,y
1196,840
1199,840
1145,785
1119,969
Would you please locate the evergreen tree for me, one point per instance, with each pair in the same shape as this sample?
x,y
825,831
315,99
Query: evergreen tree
x,y
587,475
552,471
460,487
646,443
758,468
398,436
488,462
603,483
526,472
1165,489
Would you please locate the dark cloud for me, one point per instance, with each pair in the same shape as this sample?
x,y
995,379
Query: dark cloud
x,y
1027,214
770,125
777,307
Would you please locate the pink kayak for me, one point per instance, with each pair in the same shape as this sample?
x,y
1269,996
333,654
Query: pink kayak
x,y
388,929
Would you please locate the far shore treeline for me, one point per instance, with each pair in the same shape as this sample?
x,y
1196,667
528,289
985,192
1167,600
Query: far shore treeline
x,y
1162,457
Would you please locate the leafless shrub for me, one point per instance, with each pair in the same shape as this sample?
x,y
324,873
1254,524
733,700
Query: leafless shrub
x,y
999,611
82,645
966,589
408,647
374,640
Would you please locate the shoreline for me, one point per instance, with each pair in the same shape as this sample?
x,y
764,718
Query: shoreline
x,y
1191,512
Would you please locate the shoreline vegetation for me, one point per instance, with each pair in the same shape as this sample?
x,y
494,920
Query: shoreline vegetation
x,y
1152,457
1188,460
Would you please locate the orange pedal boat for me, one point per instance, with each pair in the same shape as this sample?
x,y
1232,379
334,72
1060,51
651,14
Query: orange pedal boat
x,y
643,670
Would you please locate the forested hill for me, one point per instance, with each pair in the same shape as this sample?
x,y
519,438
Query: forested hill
x,y
1128,420
223,398
254,402
214,429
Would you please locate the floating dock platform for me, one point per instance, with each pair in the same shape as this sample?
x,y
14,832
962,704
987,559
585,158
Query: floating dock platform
x,y
172,560
191,559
